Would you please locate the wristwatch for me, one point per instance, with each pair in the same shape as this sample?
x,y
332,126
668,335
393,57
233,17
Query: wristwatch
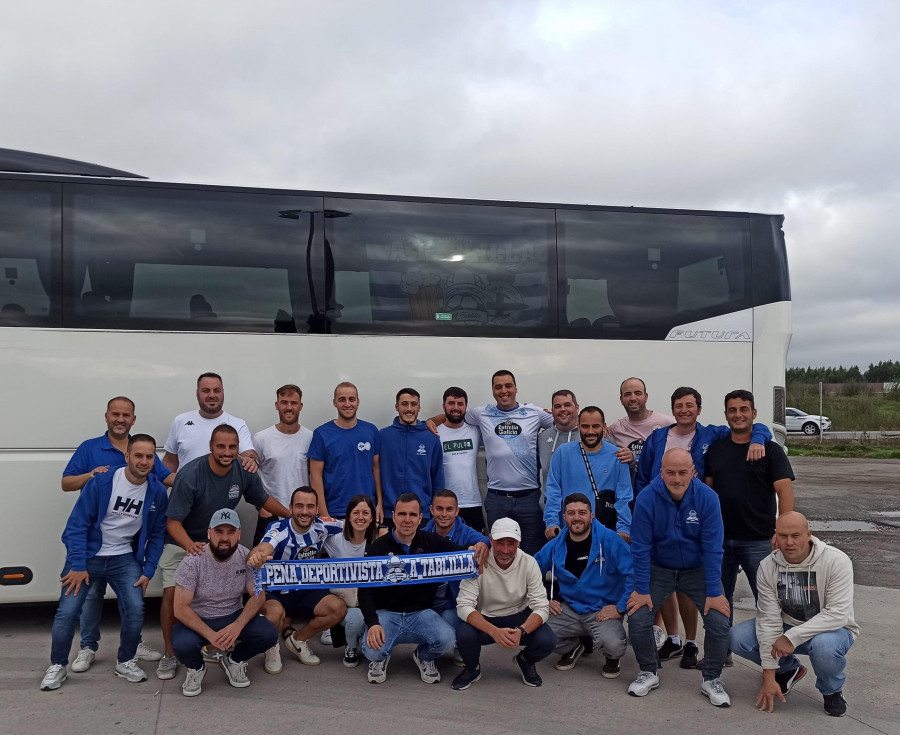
x,y
524,632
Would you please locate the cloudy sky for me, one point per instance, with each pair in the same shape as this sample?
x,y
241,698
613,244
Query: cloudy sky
x,y
778,107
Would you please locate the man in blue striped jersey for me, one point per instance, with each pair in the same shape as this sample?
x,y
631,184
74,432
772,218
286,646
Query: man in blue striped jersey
x,y
299,537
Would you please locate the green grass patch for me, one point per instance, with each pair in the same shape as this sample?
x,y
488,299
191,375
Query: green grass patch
x,y
861,449
861,411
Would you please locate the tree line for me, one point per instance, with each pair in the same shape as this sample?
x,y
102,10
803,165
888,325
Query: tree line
x,y
886,371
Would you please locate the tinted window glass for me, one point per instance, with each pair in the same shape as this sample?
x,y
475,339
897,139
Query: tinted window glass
x,y
186,259
442,269
29,253
627,275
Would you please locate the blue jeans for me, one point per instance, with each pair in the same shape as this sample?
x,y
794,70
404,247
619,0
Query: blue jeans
x,y
692,582
424,627
743,554
827,653
121,572
538,644
91,614
258,635
525,510
354,625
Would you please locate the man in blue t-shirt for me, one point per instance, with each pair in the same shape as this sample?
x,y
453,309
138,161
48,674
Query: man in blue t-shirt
x,y
101,455
343,457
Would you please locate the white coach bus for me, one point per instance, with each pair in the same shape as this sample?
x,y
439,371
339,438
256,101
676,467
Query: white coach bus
x,y
113,285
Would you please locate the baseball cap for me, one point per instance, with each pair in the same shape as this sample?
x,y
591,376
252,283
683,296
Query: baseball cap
x,y
225,517
506,528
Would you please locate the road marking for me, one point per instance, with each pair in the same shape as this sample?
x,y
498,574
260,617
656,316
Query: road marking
x,y
888,513
842,526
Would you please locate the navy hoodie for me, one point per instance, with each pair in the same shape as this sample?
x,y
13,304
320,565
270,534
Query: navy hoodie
x,y
411,461
684,536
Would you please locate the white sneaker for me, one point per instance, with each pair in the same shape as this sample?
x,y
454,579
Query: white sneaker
x,y
646,682
457,659
53,679
659,636
131,671
273,660
716,692
146,652
193,680
427,670
167,667
83,660
302,651
326,638
235,671
377,673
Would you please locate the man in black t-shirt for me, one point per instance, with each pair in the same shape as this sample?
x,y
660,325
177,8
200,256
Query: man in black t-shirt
x,y
747,492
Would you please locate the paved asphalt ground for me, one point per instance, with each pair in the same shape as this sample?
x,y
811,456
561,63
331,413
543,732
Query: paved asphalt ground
x,y
332,698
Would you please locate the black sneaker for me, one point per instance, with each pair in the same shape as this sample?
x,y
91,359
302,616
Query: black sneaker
x,y
611,668
466,678
670,650
529,673
788,679
689,655
351,657
567,660
588,644
835,704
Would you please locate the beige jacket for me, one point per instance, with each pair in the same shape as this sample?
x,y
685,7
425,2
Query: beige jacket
x,y
813,597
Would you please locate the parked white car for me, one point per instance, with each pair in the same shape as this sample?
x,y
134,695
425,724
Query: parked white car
x,y
797,420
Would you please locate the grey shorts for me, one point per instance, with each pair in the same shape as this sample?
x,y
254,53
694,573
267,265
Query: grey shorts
x,y
168,563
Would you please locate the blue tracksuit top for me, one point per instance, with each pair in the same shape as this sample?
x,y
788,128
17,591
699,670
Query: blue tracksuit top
x,y
465,536
686,536
412,461
607,578
655,446
82,535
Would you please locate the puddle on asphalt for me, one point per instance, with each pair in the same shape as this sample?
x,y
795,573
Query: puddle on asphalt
x,y
842,526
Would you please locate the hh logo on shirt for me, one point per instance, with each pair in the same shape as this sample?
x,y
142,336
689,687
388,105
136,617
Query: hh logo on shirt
x,y
234,492
128,506
507,428
692,517
364,446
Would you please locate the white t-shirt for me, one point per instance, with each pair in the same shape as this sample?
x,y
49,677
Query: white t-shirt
x,y
123,517
190,434
510,444
460,447
283,466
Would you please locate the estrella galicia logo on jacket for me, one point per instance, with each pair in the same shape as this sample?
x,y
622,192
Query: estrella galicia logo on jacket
x,y
396,569
234,492
364,446
507,428
692,517
421,450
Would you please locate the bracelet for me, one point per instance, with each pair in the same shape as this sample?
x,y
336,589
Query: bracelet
x,y
524,632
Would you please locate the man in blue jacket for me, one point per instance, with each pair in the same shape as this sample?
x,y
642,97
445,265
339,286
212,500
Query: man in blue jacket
x,y
676,543
412,460
114,535
593,567
686,433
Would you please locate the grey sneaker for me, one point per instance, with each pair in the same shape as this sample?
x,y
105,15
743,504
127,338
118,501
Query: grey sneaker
x,y
716,692
83,660
427,670
211,655
193,680
457,659
146,652
377,673
645,683
130,671
53,679
236,671
273,660
167,667
326,637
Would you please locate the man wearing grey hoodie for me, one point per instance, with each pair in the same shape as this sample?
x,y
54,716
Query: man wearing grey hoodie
x,y
805,606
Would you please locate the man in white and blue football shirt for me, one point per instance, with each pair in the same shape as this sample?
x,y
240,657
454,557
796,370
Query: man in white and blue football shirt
x,y
299,537
509,431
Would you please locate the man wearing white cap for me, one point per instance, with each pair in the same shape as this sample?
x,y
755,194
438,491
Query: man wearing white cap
x,y
209,607
507,605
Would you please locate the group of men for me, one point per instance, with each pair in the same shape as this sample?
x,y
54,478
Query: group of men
x,y
633,512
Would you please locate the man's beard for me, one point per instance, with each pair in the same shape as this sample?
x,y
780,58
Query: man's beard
x,y
222,554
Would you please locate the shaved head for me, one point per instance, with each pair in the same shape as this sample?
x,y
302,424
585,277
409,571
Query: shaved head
x,y
677,471
793,537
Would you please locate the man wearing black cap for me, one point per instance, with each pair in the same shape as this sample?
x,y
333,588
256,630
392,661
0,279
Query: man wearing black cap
x,y
209,607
